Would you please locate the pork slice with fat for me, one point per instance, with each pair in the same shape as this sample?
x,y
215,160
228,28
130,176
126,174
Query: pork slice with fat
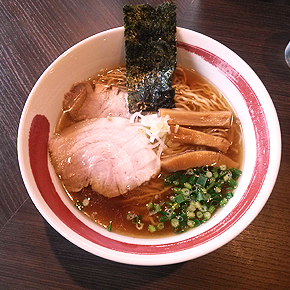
x,y
82,102
110,154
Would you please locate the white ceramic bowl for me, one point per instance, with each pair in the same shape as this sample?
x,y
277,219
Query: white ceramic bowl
x,y
218,64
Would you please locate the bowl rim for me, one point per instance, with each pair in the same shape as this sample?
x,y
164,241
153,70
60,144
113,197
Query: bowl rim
x,y
166,255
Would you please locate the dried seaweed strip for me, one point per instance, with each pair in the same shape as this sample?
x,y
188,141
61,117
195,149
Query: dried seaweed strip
x,y
150,44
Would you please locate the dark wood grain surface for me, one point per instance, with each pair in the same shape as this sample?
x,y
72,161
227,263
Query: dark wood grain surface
x,y
32,254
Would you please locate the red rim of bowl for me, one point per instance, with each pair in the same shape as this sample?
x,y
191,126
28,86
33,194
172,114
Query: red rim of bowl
x,y
38,138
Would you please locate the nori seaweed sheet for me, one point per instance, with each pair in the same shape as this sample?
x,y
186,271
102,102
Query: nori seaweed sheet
x,y
150,46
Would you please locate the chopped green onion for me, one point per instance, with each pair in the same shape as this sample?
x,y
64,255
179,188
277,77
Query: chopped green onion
x,y
207,215
223,202
201,180
185,191
180,218
232,183
223,167
137,219
157,207
220,183
197,222
208,174
130,216
171,197
169,211
177,190
151,228
179,198
217,189
207,196
174,176
211,209
175,206
183,180
229,195
230,174
191,223
160,226
173,215
199,214
176,182
196,194
110,225
164,218
200,196
216,196
190,214
139,226
215,202
175,222
226,177
223,173
187,185
214,169
203,208
211,185
215,175
191,207
149,205
235,172
191,179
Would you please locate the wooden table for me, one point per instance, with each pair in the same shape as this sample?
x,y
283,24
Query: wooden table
x,y
32,254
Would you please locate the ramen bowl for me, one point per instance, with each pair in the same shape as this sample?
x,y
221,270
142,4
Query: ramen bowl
x,y
216,63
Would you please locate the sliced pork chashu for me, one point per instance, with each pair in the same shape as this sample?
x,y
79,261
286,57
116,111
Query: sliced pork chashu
x,y
110,154
83,102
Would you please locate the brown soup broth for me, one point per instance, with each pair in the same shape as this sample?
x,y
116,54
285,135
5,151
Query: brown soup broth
x,y
102,210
